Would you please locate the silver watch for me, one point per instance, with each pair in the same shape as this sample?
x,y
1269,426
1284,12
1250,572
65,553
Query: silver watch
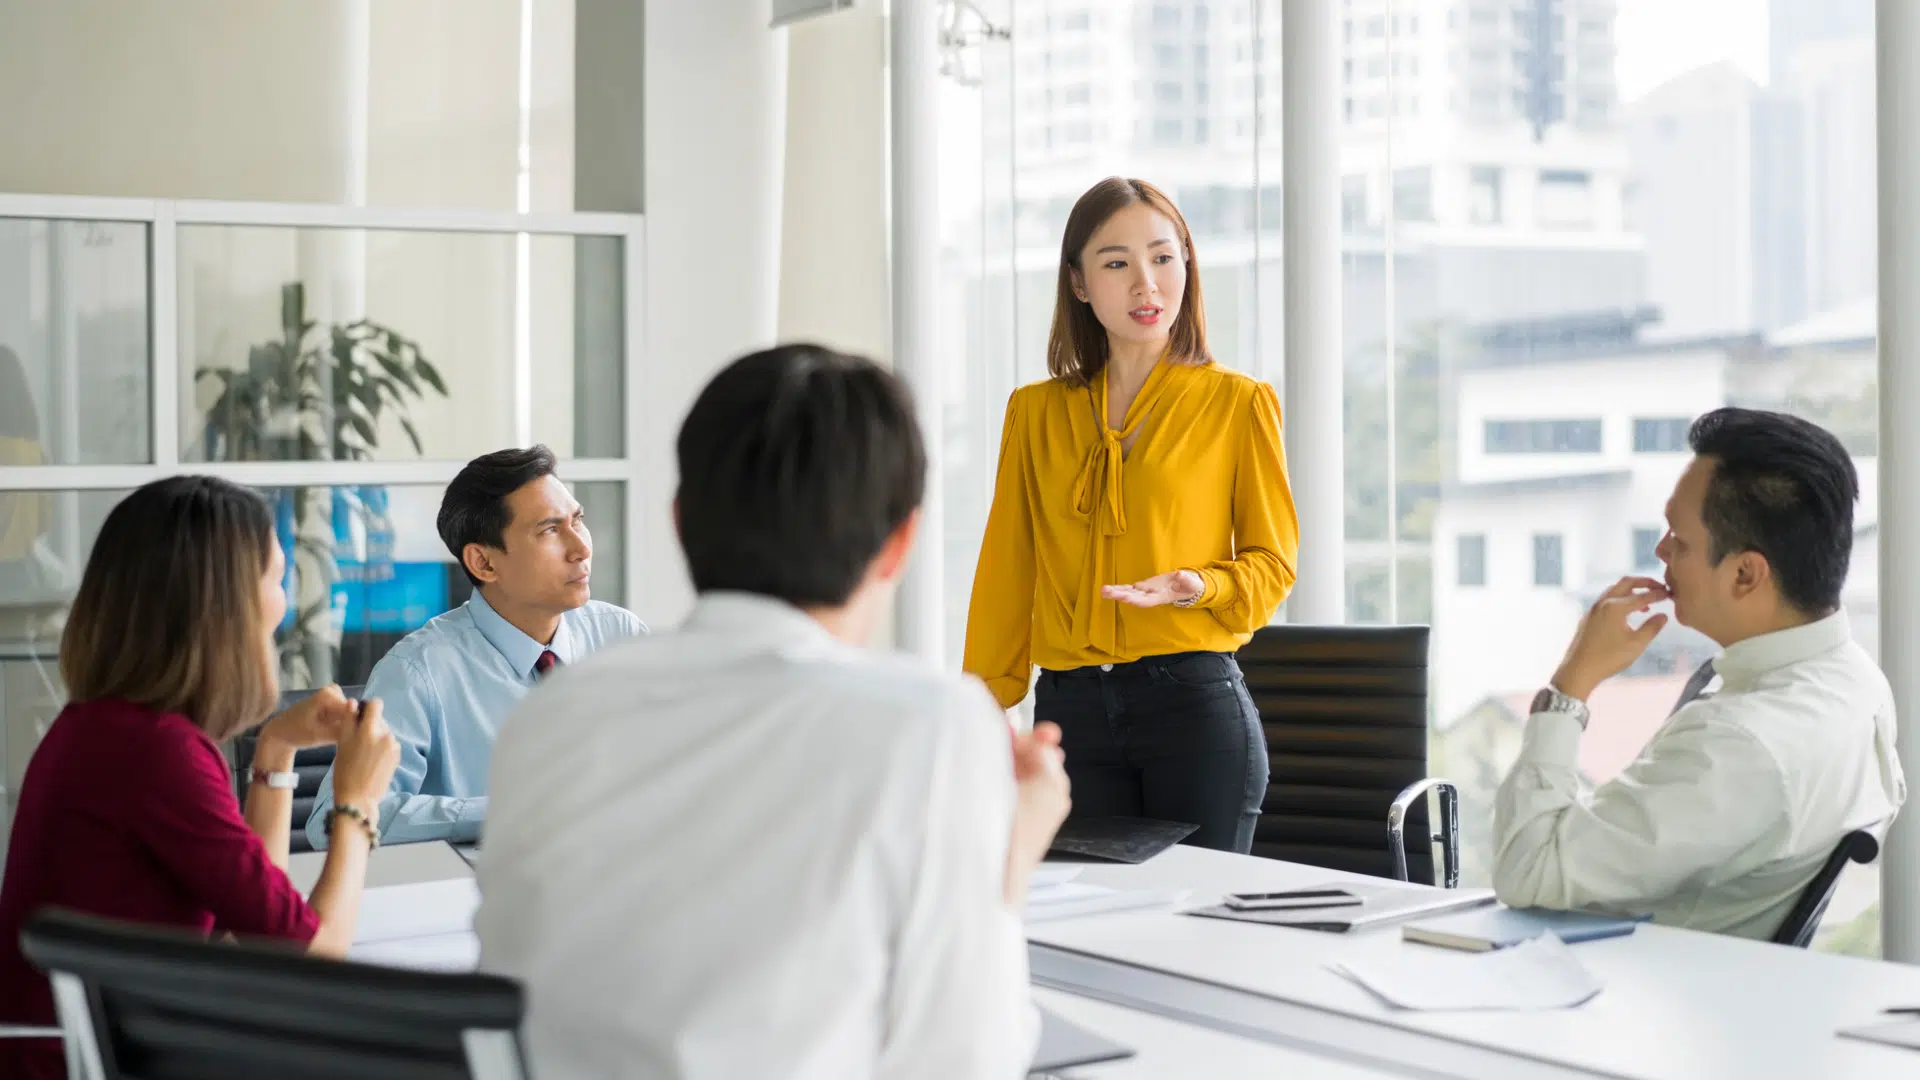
x,y
1195,598
1551,700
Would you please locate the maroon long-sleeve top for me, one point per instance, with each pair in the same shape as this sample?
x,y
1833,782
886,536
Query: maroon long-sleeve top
x,y
129,813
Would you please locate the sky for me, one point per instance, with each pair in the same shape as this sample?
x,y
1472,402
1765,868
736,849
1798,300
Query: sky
x,y
1659,39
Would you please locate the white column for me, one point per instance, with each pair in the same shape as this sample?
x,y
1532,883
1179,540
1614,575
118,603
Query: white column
x,y
833,246
1315,356
1898,29
914,56
678,112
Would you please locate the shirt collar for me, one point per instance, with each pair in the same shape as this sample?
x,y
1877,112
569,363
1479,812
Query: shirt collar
x,y
742,616
1744,661
519,650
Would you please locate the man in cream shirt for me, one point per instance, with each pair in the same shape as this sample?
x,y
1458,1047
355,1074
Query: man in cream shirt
x,y
1742,795
751,847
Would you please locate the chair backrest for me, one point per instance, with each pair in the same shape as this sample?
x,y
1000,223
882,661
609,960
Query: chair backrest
x,y
1798,927
312,765
143,1003
1345,713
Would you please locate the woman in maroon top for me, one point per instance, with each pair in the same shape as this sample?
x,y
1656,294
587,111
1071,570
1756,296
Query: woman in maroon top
x,y
127,809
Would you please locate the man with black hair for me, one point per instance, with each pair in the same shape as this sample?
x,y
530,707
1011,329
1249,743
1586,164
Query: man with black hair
x,y
1743,794
753,847
522,540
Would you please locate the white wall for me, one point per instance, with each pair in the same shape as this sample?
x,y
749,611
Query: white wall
x,y
834,288
713,82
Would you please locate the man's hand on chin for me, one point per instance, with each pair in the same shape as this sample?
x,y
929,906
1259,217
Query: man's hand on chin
x,y
1606,642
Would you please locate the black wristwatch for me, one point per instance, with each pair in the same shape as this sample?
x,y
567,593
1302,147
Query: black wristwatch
x,y
1551,700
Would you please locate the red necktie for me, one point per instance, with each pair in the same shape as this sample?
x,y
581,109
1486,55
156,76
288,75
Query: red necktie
x,y
546,663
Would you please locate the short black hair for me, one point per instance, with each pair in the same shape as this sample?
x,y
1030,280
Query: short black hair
x,y
1783,487
474,509
796,465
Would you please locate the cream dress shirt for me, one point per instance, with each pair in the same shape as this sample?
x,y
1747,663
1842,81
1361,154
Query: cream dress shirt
x,y
1732,806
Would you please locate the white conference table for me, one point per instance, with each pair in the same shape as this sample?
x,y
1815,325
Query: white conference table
x,y
1676,1004
1167,1049
403,878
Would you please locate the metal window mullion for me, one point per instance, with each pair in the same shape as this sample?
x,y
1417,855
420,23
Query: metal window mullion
x,y
163,297
639,493
327,216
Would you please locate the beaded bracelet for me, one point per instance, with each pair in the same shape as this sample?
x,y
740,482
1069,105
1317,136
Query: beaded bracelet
x,y
351,811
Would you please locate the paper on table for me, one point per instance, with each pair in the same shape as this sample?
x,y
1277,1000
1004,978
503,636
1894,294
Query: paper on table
x,y
1062,901
400,912
1538,974
1902,1033
459,951
1048,873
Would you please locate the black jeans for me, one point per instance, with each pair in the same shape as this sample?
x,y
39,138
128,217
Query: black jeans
x,y
1171,737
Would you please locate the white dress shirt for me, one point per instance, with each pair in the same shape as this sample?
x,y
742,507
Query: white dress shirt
x,y
1732,806
745,849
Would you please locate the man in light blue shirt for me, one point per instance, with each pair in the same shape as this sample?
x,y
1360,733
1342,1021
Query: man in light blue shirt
x,y
523,542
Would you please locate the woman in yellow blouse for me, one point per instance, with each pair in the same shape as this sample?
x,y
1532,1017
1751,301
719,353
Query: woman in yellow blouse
x,y
1141,530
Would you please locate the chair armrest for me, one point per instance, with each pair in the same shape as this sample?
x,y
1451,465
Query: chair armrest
x,y
1448,836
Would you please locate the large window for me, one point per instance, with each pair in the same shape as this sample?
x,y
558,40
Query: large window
x,y
1685,221
1194,109
1587,231
344,363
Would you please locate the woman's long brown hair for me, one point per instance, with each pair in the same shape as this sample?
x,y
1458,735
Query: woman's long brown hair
x,y
168,614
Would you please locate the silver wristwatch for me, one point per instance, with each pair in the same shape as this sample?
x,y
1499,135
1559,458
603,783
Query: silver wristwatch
x,y
1551,700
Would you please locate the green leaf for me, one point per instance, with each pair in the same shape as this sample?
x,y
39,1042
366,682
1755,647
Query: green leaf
x,y
429,373
394,369
365,429
406,425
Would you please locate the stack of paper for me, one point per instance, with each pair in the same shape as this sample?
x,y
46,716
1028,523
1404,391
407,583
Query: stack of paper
x,y
1539,974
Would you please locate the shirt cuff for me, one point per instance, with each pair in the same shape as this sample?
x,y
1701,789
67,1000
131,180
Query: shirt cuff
x,y
1217,589
1551,738
1009,690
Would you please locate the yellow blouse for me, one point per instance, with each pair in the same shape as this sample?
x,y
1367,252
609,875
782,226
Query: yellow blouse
x,y
1203,488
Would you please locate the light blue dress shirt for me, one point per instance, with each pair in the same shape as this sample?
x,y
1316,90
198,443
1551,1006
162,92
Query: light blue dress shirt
x,y
444,690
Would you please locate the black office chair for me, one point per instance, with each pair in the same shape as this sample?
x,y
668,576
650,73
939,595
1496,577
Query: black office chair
x,y
143,1004
1345,713
1798,927
312,765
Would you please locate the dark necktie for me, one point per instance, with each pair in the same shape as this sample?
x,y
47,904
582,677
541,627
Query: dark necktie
x,y
1695,687
546,663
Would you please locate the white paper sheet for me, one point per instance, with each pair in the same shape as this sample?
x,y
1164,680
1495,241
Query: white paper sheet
x,y
1068,900
1901,1033
1539,974
1050,873
456,952
424,909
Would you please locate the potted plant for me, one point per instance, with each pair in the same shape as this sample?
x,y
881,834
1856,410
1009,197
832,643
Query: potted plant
x,y
317,393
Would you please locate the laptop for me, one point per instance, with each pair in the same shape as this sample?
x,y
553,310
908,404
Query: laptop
x,y
1117,839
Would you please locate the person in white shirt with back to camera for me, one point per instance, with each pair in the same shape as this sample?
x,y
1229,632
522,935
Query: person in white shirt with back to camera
x,y
1742,795
753,847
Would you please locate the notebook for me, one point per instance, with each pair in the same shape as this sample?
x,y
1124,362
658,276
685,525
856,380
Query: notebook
x,y
1066,1045
1118,839
1379,904
1500,928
